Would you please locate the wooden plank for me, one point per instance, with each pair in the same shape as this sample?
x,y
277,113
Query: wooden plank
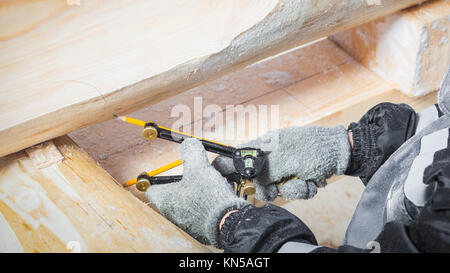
x,y
120,141
410,48
67,66
55,198
316,84
329,88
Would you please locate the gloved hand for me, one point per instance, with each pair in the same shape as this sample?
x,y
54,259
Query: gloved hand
x,y
430,230
199,201
310,154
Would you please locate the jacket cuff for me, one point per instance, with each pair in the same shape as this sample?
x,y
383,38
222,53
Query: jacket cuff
x,y
227,230
395,238
262,229
364,151
212,225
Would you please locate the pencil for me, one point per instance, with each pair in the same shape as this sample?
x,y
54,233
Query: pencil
x,y
157,171
168,166
132,120
143,123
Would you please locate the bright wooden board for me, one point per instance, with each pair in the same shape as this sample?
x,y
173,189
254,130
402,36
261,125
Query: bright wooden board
x,y
317,84
410,48
63,67
56,198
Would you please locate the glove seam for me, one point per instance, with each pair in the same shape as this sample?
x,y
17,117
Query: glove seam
x,y
212,224
228,226
364,150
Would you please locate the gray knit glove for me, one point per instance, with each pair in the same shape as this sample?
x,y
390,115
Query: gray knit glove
x,y
198,202
310,154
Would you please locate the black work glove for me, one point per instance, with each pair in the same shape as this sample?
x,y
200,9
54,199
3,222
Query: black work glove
x,y
430,231
377,135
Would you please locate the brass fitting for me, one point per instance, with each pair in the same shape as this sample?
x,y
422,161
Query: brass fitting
x,y
150,133
247,187
143,183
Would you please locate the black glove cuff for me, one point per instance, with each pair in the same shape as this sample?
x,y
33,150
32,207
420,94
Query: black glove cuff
x,y
363,161
262,229
226,231
377,135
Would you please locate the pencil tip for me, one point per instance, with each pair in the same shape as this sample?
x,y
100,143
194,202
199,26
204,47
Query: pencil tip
x,y
120,117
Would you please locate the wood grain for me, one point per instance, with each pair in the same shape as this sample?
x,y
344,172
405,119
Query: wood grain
x,y
66,67
410,48
75,205
317,84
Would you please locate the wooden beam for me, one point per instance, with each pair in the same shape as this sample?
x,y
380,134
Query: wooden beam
x,y
410,48
124,153
55,198
317,84
64,67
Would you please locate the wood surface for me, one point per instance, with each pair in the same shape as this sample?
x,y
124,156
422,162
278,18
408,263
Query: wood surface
x,y
67,64
410,48
317,84
55,198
